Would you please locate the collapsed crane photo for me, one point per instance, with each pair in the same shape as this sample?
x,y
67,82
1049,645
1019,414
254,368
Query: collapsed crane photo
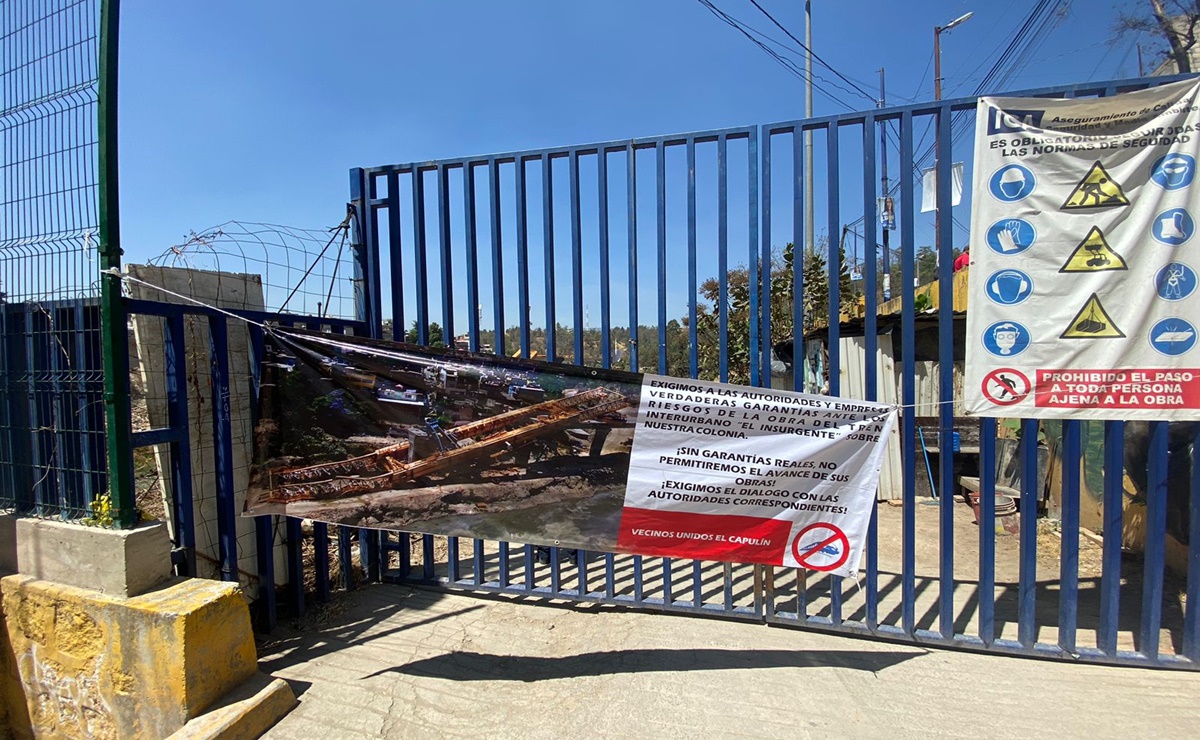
x,y
375,437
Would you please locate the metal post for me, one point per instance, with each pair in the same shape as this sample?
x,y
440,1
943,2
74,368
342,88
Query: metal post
x,y
112,308
937,95
883,193
364,245
809,219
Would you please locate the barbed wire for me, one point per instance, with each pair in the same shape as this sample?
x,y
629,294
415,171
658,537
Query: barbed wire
x,y
293,264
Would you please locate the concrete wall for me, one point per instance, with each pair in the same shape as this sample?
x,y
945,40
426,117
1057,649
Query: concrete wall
x,y
147,656
95,666
224,290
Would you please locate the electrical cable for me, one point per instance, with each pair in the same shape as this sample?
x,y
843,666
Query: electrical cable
x,y
815,56
786,63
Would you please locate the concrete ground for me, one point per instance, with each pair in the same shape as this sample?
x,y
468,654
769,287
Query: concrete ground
x,y
391,661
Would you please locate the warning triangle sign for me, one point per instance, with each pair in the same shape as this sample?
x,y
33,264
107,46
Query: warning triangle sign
x,y
1094,255
1092,322
1097,189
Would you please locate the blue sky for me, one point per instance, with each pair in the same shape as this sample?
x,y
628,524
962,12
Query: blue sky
x,y
256,111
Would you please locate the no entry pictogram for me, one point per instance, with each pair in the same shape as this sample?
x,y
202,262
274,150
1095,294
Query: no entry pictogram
x,y
1005,386
827,549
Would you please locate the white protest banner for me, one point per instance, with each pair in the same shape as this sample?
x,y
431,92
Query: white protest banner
x,y
370,433
1082,297
721,472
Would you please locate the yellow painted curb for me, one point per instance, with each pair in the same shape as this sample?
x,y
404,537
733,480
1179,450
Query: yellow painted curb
x,y
244,714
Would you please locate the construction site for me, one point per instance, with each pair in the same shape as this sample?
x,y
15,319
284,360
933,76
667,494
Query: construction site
x,y
386,439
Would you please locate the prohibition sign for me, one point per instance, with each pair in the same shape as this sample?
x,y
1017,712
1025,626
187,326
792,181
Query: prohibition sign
x,y
1005,386
816,548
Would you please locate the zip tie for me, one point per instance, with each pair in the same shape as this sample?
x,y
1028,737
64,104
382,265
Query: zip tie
x,y
115,272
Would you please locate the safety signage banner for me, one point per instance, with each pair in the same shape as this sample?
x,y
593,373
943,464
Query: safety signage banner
x,y
384,435
1082,296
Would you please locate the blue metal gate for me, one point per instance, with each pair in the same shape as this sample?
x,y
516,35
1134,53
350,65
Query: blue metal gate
x,y
633,223
565,252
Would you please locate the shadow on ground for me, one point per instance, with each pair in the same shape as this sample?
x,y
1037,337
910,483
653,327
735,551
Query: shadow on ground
x,y
469,666
297,648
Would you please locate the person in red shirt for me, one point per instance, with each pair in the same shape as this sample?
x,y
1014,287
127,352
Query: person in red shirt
x,y
963,260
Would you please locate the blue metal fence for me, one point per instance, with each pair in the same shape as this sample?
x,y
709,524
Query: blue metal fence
x,y
51,407
437,241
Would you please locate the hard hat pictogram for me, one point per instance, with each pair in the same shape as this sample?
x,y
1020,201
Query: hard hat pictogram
x,y
1012,183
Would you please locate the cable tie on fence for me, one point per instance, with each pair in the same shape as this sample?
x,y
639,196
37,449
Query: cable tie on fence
x,y
116,272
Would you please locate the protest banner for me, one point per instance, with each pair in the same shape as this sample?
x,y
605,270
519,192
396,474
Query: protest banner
x,y
384,435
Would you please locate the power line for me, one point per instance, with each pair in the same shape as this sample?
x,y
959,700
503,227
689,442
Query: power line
x,y
816,56
785,63
1030,34
1000,70
788,50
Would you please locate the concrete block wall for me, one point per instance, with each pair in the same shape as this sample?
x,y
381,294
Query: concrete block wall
x,y
225,290
105,643
91,665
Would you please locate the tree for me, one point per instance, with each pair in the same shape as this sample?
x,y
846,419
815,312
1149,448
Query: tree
x,y
1171,25
436,337
815,285
926,265
815,289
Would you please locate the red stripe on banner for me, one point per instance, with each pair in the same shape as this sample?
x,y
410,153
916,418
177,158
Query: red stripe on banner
x,y
1123,388
678,534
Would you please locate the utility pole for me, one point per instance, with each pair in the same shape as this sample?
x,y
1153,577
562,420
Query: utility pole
x,y
937,63
883,192
937,95
809,241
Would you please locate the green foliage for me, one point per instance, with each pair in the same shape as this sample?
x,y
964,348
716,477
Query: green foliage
x,y
815,288
104,514
646,340
317,444
436,335
780,301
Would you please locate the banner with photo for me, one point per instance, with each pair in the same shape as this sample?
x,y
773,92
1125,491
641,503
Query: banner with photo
x,y
384,435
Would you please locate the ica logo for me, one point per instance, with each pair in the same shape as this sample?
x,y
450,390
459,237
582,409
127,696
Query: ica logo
x,y
1013,121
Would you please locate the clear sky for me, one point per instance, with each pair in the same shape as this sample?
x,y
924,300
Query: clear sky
x,y
257,110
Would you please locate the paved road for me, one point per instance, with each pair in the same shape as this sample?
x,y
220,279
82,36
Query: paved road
x,y
389,661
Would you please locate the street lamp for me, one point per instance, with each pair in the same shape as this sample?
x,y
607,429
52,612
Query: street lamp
x,y
937,52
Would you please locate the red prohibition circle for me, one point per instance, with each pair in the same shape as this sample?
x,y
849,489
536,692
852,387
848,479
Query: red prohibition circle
x,y
999,376
804,558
